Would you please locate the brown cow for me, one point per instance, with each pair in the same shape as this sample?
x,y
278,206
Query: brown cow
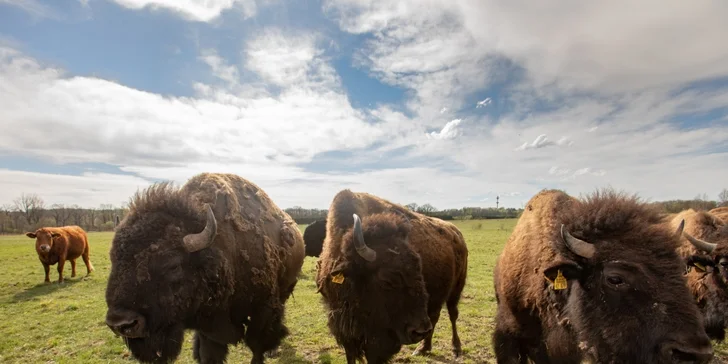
x,y
313,238
59,244
596,279
385,273
216,256
705,248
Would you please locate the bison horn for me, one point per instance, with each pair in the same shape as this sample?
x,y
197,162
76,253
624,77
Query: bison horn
x,y
700,244
680,228
199,241
578,246
361,247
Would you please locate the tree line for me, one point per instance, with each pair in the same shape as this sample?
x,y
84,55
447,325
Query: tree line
x,y
29,212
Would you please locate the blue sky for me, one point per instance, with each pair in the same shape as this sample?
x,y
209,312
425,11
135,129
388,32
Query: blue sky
x,y
444,102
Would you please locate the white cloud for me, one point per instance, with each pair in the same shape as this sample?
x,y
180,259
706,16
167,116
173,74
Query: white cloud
x,y
449,131
220,68
32,7
195,10
483,103
542,141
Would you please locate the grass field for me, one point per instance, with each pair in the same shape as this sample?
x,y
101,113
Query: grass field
x,y
65,324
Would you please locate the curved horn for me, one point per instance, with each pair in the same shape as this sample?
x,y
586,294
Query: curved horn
x,y
700,244
578,246
680,228
361,247
199,241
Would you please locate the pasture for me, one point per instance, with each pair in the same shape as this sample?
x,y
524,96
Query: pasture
x,y
48,323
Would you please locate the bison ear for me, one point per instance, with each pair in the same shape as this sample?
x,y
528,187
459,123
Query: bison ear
x,y
30,235
556,273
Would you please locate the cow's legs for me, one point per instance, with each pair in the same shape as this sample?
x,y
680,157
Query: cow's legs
x,y
352,351
61,264
452,310
73,267
426,344
89,267
206,351
265,331
47,269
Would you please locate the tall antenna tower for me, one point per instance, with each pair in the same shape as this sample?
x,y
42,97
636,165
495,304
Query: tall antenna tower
x,y
497,202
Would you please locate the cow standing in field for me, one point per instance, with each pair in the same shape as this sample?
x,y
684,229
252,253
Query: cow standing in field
x,y
59,244
385,273
216,256
705,248
597,279
313,238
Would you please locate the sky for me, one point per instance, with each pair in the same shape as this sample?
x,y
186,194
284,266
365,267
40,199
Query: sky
x,y
447,102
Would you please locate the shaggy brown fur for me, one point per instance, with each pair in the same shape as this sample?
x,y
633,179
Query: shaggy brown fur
x,y
421,264
313,237
59,244
233,290
721,213
622,305
709,286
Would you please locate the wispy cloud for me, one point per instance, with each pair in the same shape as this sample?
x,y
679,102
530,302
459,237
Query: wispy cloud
x,y
449,131
195,10
32,7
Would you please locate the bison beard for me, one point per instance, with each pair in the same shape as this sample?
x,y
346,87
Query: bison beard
x,y
160,347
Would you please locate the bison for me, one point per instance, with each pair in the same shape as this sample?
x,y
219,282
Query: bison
x,y
705,248
721,213
216,256
594,279
59,244
313,238
384,274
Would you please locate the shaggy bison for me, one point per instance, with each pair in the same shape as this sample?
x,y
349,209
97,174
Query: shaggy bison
x,y
59,244
597,279
384,275
313,238
721,213
216,256
705,248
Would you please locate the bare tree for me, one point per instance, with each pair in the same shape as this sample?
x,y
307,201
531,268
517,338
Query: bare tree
x,y
5,218
723,197
412,206
31,206
61,213
426,208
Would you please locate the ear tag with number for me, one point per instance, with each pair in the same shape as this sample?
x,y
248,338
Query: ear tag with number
x,y
560,281
338,279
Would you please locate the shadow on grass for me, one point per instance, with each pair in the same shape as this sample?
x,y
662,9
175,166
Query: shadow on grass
x,y
42,289
288,354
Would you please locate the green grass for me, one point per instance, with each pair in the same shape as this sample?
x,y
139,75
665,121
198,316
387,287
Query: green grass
x,y
53,324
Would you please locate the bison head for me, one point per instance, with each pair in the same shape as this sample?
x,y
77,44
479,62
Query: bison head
x,y
625,297
380,274
713,242
43,240
163,271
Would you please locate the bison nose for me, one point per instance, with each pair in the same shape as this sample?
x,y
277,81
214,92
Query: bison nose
x,y
421,331
45,248
698,353
126,323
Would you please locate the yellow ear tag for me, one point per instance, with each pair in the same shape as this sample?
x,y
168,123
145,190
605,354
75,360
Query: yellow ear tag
x,y
338,279
560,281
699,266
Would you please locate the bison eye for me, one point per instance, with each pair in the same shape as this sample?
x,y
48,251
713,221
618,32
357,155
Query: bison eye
x,y
615,280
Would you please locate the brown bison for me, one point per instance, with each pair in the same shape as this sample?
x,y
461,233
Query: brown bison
x,y
59,244
721,213
313,238
216,256
596,279
385,273
705,248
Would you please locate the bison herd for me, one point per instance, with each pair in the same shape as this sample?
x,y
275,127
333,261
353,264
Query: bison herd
x,y
605,279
